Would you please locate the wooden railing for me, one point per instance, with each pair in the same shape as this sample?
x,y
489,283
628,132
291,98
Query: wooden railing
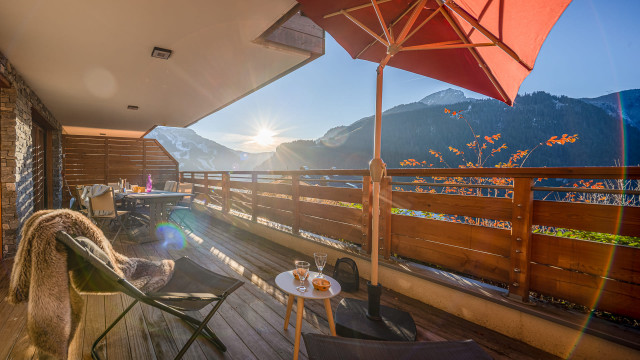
x,y
505,249
100,160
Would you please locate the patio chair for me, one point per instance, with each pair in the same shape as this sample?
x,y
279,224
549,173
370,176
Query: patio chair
x,y
191,288
104,212
324,347
131,204
170,186
179,212
78,204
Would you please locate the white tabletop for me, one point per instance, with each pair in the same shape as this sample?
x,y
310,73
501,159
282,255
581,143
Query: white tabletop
x,y
288,284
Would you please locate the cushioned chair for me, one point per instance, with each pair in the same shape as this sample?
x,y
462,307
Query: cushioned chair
x,y
170,186
323,347
78,205
103,211
179,212
191,288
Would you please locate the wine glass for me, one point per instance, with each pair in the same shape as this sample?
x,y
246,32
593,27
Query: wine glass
x,y
321,261
302,270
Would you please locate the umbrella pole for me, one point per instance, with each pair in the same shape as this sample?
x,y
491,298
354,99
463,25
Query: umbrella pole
x,y
369,320
377,170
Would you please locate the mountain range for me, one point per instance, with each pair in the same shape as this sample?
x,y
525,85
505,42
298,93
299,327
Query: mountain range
x,y
409,131
196,153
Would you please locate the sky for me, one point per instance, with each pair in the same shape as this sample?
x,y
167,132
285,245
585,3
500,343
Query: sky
x,y
592,50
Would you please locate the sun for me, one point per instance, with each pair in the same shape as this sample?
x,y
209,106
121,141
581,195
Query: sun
x,y
264,137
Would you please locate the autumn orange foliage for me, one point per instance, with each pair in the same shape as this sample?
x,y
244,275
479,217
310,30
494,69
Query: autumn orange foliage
x,y
484,150
480,150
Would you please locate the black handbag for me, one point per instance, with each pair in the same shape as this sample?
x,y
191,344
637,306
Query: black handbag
x,y
346,273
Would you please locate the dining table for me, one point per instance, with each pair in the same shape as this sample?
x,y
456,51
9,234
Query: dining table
x,y
159,205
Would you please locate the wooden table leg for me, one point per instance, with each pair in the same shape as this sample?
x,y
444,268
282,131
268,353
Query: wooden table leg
x,y
332,325
296,344
288,315
155,214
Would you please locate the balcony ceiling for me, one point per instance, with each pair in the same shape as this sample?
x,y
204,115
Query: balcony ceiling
x,y
89,60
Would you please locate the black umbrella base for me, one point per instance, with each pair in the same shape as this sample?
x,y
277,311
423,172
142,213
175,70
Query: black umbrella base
x,y
352,321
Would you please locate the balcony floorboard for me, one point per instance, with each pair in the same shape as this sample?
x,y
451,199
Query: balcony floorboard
x,y
250,322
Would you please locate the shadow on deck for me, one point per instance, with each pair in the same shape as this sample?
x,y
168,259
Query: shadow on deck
x,y
250,322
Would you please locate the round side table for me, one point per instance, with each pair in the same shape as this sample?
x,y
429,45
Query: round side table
x,y
287,283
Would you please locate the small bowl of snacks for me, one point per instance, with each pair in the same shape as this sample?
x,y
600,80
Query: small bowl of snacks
x,y
321,284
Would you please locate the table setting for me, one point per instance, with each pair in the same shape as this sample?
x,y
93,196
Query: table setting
x,y
301,283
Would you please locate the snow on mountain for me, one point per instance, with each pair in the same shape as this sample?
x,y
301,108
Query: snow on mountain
x,y
196,153
625,103
445,97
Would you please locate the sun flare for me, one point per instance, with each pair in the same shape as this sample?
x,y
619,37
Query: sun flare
x,y
265,137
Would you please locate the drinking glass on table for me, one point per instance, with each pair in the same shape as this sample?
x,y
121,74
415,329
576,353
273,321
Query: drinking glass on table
x,y
302,270
321,261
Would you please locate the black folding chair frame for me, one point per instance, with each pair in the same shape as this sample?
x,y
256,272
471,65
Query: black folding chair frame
x,y
198,325
155,299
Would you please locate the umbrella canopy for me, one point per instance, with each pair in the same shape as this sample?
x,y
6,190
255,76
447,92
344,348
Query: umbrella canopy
x,y
487,46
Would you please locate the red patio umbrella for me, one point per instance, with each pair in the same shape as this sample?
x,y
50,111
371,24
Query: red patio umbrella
x,y
487,46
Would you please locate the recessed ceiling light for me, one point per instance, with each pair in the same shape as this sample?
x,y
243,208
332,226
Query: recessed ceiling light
x,y
161,53
132,107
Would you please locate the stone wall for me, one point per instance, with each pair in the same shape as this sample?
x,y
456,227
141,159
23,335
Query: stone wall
x,y
16,182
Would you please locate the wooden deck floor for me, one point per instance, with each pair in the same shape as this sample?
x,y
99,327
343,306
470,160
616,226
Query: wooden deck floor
x,y
250,322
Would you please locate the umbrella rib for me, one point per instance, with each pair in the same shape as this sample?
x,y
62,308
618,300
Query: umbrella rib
x,y
445,45
387,34
476,56
421,25
392,25
365,28
353,9
410,22
473,22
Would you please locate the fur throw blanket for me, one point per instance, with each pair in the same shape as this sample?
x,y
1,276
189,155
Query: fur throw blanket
x,y
41,276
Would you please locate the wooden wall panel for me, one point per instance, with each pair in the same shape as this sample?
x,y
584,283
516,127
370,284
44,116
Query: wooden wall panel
x,y
332,229
331,193
275,202
592,291
240,206
343,214
242,185
473,206
99,160
238,196
611,219
480,238
598,259
467,261
276,215
284,189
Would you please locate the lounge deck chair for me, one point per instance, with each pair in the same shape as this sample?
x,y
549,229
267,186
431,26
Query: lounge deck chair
x,y
323,347
191,288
